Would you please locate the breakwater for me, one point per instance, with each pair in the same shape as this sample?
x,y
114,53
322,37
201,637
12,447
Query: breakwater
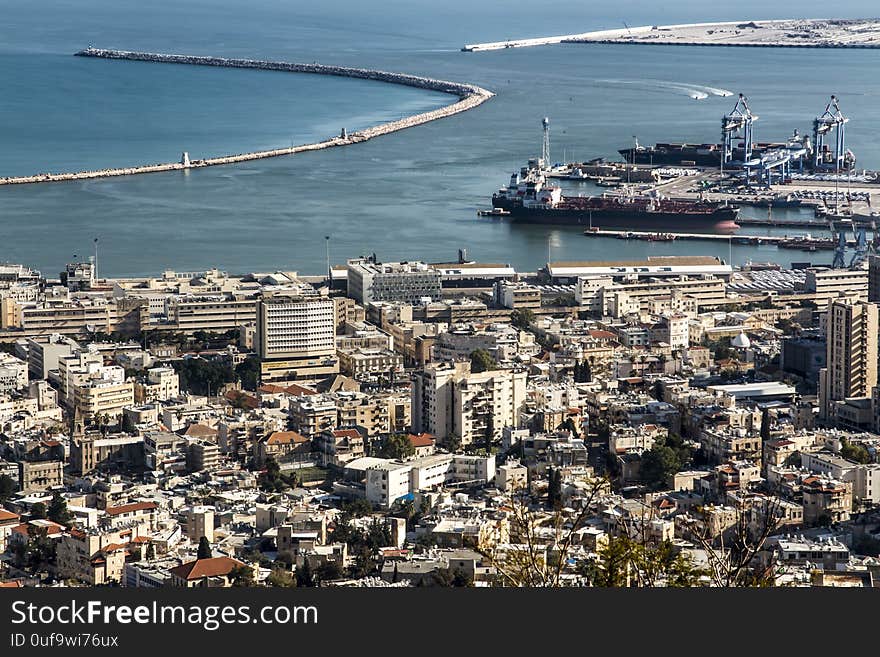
x,y
469,96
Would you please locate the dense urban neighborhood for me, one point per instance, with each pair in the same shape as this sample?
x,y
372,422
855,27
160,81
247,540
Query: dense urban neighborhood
x,y
668,422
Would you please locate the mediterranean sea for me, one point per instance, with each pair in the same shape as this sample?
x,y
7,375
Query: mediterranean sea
x,y
408,195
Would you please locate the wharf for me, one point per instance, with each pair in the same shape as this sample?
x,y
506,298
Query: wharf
x,y
804,243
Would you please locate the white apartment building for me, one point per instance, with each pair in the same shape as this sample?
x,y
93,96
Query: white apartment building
x,y
370,281
162,383
13,373
295,336
447,399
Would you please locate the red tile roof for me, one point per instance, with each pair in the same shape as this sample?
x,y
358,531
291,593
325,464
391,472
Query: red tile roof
x,y
285,438
199,430
247,400
421,440
213,567
11,585
129,508
51,528
346,433
7,516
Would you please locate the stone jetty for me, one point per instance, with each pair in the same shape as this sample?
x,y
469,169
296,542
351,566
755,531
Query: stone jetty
x,y
469,96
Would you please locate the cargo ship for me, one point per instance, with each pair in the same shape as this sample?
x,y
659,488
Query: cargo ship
x,y
709,155
529,199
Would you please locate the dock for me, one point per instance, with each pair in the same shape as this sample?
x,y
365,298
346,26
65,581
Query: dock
x,y
803,243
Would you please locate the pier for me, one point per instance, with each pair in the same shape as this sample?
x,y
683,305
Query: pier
x,y
469,96
803,243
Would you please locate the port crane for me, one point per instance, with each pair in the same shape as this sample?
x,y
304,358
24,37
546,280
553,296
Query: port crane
x,y
831,120
739,118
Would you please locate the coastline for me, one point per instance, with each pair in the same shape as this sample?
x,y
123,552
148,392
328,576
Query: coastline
x,y
469,96
777,33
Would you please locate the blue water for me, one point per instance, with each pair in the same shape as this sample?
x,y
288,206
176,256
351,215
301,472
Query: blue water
x,y
411,194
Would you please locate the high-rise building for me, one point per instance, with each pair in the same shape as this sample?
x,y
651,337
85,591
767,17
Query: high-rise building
x,y
295,335
851,354
448,399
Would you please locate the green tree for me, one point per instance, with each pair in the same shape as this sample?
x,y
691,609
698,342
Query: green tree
x,y
58,511
452,442
205,551
304,576
522,318
248,372
242,576
854,452
38,511
482,361
765,425
127,423
583,372
448,577
397,446
271,480
38,554
151,551
328,571
7,487
658,465
554,489
624,562
281,578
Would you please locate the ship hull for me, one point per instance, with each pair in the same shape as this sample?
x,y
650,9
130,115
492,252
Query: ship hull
x,y
671,157
720,220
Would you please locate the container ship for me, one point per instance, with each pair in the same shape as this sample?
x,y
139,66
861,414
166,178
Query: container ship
x,y
529,199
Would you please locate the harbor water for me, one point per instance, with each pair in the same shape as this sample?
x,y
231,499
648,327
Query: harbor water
x,y
411,194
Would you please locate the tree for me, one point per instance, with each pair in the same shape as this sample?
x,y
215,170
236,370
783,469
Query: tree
x,y
281,578
554,489
397,446
765,425
452,442
328,571
151,551
482,361
658,465
448,577
38,511
38,554
7,487
625,562
582,372
273,481
522,318
205,551
248,372
242,576
127,424
854,452
304,575
58,511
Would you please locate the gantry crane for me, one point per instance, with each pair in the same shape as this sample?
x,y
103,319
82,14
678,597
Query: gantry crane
x,y
831,120
739,118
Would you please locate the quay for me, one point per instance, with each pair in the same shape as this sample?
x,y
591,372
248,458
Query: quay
x,y
469,96
804,243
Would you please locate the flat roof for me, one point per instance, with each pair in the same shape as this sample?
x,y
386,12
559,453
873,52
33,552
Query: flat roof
x,y
766,389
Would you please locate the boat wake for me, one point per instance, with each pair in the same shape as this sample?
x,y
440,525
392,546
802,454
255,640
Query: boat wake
x,y
695,91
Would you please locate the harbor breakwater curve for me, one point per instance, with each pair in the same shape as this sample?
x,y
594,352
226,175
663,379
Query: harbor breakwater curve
x,y
469,96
